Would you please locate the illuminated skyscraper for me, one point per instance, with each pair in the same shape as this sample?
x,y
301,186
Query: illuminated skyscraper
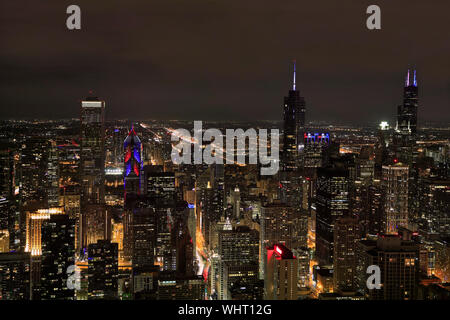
x,y
92,159
133,163
332,202
293,126
103,269
406,125
346,235
407,112
15,269
238,251
395,186
280,281
398,259
58,253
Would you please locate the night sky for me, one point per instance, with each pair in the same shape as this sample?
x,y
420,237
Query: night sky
x,y
223,59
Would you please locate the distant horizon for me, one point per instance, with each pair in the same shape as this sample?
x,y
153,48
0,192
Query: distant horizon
x,y
212,60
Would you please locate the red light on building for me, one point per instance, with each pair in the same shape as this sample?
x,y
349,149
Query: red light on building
x,y
278,250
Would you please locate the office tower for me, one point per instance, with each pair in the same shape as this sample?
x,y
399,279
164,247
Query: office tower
x,y
34,155
332,202
4,214
314,145
185,250
7,198
15,280
280,282
406,126
442,249
277,224
383,148
133,163
160,186
180,287
238,253
53,175
92,161
235,201
69,180
435,205
140,229
143,224
398,259
34,222
58,253
103,264
98,223
293,127
117,147
395,186
365,166
373,212
6,170
346,236
114,186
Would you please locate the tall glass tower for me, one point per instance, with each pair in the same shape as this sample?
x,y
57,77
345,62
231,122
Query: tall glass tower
x,y
293,127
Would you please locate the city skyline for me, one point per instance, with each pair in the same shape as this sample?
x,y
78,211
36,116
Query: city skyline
x,y
219,153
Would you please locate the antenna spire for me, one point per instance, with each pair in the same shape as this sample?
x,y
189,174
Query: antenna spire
x,y
407,80
415,79
293,86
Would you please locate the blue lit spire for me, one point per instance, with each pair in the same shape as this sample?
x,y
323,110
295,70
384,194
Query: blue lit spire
x,y
415,79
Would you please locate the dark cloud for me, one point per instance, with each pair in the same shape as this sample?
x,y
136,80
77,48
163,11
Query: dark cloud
x,y
220,59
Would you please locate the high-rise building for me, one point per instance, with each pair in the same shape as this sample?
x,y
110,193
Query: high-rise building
x,y
280,282
15,276
406,127
133,163
395,186
346,236
180,287
103,262
160,186
398,259
277,224
58,253
293,127
92,159
332,202
34,221
238,253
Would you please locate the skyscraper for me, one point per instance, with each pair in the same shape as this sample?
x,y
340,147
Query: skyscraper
x,y
395,186
293,126
58,253
238,251
407,112
15,279
280,281
133,163
92,159
406,125
103,269
398,259
346,235
332,202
